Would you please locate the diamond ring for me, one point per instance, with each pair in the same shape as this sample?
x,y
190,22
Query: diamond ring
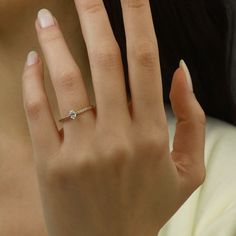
x,y
74,114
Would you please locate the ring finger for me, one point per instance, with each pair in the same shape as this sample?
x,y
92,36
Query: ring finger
x,y
143,61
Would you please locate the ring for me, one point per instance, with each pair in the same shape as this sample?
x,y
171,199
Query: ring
x,y
74,114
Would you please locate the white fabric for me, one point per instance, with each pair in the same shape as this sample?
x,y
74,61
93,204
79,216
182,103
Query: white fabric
x,y
211,209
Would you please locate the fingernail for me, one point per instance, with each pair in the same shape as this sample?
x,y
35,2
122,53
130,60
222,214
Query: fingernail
x,y
32,58
45,18
183,65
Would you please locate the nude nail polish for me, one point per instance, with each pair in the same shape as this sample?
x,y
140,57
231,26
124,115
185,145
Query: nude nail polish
x,y
45,18
32,58
183,65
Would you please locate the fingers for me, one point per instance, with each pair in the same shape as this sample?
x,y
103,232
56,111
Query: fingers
x,y
43,130
105,60
143,61
189,140
66,77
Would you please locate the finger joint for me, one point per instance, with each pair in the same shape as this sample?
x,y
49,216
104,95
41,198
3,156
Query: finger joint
x,y
135,4
68,80
91,6
34,107
146,54
106,57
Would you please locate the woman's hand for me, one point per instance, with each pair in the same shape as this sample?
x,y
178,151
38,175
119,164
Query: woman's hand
x,y
111,172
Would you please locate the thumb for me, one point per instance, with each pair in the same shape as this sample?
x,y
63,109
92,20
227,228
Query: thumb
x,y
189,139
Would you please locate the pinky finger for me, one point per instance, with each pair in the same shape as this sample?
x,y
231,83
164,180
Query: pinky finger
x,y
44,134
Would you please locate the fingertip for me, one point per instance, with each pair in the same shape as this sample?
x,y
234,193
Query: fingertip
x,y
187,76
183,101
38,26
32,58
33,65
179,86
182,82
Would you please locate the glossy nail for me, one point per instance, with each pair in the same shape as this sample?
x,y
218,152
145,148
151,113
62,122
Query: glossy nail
x,y
45,18
183,65
32,58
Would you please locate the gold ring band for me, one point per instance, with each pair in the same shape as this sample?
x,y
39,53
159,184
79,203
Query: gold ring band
x,y
74,114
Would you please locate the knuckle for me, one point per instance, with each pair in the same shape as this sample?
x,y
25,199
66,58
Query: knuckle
x,y
116,151
119,156
201,117
197,116
195,173
152,137
34,108
107,56
197,119
64,174
58,175
146,54
91,6
68,80
199,178
202,177
135,3
152,143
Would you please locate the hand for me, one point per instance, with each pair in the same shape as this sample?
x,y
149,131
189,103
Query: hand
x,y
111,172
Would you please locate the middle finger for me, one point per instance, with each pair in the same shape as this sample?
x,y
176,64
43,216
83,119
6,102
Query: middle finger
x,y
105,61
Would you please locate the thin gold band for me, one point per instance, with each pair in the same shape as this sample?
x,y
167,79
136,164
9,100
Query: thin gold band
x,y
74,114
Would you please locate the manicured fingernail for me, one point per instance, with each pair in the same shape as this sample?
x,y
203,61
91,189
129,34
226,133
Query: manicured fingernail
x,y
32,58
183,65
45,18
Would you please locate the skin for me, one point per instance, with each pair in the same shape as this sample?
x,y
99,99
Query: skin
x,y
18,37
19,195
138,161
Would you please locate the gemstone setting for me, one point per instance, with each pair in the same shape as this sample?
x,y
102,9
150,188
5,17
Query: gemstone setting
x,y
73,114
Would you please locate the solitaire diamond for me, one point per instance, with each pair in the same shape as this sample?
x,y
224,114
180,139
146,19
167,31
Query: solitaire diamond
x,y
73,114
